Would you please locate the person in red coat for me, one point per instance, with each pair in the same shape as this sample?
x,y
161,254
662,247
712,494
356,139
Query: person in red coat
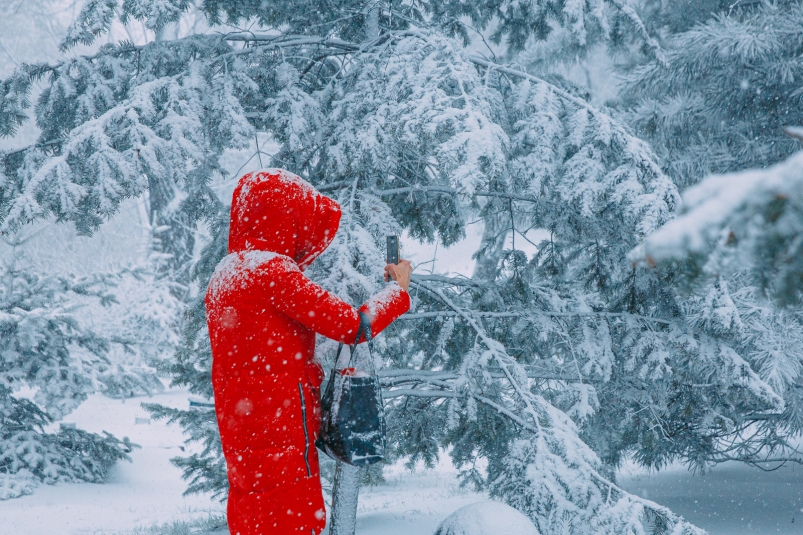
x,y
263,314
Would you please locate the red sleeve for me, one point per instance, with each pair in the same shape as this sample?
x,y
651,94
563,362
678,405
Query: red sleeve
x,y
384,307
295,295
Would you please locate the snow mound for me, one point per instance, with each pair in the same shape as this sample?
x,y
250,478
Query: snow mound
x,y
487,518
16,485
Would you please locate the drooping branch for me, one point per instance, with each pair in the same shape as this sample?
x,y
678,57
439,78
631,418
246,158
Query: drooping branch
x,y
649,40
535,426
522,314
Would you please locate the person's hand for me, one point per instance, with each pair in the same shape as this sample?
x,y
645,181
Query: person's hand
x,y
400,273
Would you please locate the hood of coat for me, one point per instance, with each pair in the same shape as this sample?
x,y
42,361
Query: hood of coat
x,y
277,211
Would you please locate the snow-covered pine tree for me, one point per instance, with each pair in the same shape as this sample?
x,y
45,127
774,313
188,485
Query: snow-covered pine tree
x,y
729,90
746,227
192,368
721,104
143,326
382,108
46,351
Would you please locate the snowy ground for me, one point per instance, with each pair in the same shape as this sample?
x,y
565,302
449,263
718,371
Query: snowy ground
x,y
410,504
147,492
141,493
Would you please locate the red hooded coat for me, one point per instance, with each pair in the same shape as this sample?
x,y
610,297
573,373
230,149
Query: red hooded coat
x,y
263,313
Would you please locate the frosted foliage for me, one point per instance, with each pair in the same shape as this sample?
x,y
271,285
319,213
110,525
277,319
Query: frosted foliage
x,y
722,202
729,90
43,344
154,13
16,485
423,93
548,473
521,24
583,157
143,323
293,113
347,268
730,222
121,134
149,313
743,226
95,18
45,349
572,501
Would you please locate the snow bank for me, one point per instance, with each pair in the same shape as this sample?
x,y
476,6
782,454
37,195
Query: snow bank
x,y
140,494
487,518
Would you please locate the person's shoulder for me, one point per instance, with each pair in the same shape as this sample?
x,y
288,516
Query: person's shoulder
x,y
240,268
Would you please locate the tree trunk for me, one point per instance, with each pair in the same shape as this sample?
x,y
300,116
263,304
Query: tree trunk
x,y
345,492
346,486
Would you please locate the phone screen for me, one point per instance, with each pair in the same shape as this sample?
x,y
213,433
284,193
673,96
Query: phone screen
x,y
393,250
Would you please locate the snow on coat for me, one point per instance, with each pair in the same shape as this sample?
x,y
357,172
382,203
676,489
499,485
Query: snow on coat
x,y
263,313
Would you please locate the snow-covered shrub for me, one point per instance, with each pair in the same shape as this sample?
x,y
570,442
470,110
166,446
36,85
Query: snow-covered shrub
x,y
44,349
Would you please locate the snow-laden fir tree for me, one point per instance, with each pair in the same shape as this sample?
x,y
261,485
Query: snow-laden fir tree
x,y
745,228
722,104
730,88
549,368
46,351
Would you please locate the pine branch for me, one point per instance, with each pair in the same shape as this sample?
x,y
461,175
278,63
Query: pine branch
x,y
560,93
535,426
649,40
795,132
437,189
451,314
290,40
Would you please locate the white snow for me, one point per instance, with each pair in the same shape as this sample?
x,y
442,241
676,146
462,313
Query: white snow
x,y
729,499
715,202
412,503
148,491
487,518
142,493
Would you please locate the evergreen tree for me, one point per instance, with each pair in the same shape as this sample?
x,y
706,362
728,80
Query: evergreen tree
x,y
729,90
192,368
746,228
721,104
45,348
379,105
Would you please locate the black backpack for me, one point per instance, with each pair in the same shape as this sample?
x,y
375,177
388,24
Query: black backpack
x,y
353,413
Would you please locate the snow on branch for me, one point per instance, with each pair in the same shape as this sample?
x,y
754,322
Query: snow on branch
x,y
745,221
516,314
649,40
548,469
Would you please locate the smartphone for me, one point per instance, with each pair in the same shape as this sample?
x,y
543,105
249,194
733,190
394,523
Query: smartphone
x,y
393,250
